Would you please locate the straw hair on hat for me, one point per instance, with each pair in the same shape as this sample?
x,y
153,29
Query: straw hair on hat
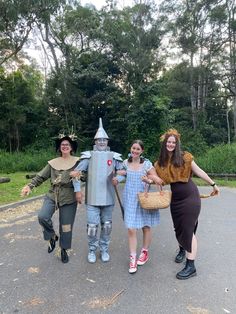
x,y
68,138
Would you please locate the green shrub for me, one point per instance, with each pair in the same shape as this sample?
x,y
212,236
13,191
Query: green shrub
x,y
220,159
24,161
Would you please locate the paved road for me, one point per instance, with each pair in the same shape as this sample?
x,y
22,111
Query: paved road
x,y
32,281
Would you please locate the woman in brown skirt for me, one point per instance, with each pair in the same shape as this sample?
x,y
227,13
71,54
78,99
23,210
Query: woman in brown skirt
x,y
175,167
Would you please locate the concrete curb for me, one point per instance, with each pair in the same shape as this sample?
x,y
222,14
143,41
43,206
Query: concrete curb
x,y
16,204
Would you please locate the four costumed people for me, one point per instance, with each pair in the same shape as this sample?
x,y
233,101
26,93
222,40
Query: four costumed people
x,y
100,165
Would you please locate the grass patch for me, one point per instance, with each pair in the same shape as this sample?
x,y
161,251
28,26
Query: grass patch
x,y
219,182
10,191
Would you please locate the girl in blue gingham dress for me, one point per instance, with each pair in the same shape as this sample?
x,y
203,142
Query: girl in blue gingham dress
x,y
136,217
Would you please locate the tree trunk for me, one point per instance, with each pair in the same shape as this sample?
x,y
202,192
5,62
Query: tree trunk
x,y
228,124
234,112
17,138
232,55
4,180
9,141
30,176
193,95
46,38
199,92
204,92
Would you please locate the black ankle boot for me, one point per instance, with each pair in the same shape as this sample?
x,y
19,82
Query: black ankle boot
x,y
52,244
188,271
64,256
180,256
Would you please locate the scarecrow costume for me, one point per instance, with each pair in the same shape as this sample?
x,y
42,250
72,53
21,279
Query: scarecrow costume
x,y
60,197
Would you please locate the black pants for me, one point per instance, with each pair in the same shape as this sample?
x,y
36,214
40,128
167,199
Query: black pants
x,y
66,220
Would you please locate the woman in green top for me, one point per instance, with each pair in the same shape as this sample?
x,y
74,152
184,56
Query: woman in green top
x,y
60,196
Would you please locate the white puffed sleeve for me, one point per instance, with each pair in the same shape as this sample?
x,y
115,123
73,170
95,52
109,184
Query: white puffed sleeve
x,y
147,165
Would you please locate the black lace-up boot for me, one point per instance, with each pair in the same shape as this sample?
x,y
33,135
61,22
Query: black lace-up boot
x,y
180,256
188,271
64,256
52,244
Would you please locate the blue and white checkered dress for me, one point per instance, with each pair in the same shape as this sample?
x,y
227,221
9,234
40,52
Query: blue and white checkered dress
x,y
135,216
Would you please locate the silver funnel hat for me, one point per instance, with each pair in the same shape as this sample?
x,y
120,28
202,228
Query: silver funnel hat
x,y
101,133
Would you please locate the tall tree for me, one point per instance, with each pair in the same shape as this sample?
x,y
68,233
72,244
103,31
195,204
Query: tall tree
x,y
135,45
196,34
17,19
20,110
231,13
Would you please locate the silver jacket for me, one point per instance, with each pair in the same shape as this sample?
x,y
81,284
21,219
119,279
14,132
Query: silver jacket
x,y
101,167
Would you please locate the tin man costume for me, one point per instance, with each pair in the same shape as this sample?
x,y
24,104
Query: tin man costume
x,y
100,165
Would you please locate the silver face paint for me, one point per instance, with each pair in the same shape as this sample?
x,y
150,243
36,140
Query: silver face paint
x,y
101,144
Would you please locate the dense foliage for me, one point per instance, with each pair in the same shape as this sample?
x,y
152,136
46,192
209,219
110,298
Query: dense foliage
x,y
220,159
142,68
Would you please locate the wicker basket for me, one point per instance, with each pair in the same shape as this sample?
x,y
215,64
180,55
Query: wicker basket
x,y
154,200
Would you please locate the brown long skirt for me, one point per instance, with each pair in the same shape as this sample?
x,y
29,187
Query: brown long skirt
x,y
185,208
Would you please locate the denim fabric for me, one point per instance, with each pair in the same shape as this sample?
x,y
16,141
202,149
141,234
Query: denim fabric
x,y
98,215
66,217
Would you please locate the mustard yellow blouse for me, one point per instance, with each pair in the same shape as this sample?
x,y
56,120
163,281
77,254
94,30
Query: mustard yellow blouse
x,y
171,174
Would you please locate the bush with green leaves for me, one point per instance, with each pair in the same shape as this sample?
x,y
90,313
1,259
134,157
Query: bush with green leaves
x,y
31,161
220,159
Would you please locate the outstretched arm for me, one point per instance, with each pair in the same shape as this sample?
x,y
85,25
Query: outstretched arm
x,y
40,177
204,176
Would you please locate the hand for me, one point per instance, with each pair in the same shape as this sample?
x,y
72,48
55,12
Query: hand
x,y
146,179
121,172
158,180
114,181
215,191
25,191
75,174
79,197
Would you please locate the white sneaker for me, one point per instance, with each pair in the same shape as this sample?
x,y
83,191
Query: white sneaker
x,y
132,265
92,257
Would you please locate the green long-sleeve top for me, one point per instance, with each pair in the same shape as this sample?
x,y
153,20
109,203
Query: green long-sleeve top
x,y
58,170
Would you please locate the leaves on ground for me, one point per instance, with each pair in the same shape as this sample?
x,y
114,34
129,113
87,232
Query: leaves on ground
x,y
33,302
197,310
33,270
19,215
103,302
